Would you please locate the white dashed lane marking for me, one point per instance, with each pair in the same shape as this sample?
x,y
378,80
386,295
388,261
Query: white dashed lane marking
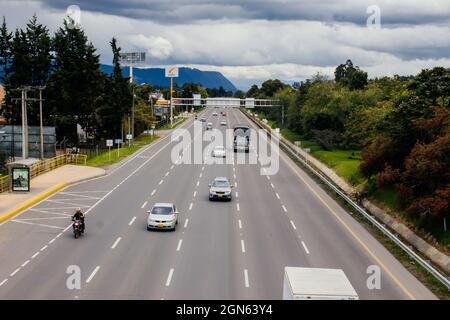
x,y
169,277
153,192
240,224
14,272
132,220
293,225
305,247
284,208
247,283
3,282
116,243
242,246
186,222
179,244
144,204
93,274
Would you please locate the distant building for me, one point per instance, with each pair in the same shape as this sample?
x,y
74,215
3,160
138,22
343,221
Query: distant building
x,y
2,97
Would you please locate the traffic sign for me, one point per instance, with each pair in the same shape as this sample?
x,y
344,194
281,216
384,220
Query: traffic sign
x,y
172,72
129,136
118,141
109,143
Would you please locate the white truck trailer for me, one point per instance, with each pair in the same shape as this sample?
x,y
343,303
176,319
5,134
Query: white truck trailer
x,y
317,284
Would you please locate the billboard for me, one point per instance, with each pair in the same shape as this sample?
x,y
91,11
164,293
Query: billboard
x,y
171,72
20,179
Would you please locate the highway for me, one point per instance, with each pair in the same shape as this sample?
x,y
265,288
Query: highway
x,y
220,250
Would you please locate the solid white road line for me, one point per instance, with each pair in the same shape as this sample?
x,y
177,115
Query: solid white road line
x,y
92,274
35,255
237,207
153,192
25,263
132,220
186,222
242,246
15,271
143,206
190,206
169,278
247,284
284,208
278,196
240,224
3,282
116,243
305,247
179,244
293,225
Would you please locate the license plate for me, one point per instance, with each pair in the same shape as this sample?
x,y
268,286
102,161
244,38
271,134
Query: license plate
x,y
219,196
160,226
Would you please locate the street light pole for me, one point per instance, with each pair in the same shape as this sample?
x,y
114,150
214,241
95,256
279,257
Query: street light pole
x,y
171,106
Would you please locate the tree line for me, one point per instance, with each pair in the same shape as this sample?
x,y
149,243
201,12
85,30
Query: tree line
x,y
401,124
76,91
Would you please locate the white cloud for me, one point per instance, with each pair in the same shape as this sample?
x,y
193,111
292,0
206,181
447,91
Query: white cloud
x,y
157,47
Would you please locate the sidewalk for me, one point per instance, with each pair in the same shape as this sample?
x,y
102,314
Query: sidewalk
x,y
43,186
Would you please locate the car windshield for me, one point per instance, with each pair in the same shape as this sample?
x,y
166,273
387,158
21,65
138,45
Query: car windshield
x,y
162,210
220,184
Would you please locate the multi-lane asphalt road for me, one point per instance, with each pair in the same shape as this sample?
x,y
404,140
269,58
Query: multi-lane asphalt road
x,y
220,250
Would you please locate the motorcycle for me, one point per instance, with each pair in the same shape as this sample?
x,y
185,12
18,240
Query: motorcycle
x,y
77,228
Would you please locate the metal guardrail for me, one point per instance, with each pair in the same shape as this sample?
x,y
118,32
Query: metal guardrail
x,y
46,166
426,265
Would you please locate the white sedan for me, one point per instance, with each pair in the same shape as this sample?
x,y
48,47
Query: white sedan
x,y
219,152
162,216
223,123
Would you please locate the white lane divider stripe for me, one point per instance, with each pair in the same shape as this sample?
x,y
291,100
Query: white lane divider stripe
x,y
161,182
51,241
237,194
179,244
247,283
271,184
25,263
169,278
153,192
293,225
44,247
131,221
92,274
116,243
14,272
167,173
235,184
186,222
305,247
190,206
3,282
198,183
240,224
278,196
35,255
172,167
144,204
201,174
195,194
237,207
242,246
284,208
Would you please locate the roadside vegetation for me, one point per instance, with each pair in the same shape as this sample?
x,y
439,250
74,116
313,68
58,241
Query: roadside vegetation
x,y
117,155
389,137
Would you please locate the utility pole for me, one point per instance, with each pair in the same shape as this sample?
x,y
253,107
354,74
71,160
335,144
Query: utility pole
x,y
24,125
171,106
41,122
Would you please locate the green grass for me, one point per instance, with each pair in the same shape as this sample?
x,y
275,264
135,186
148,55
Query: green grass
x,y
386,196
176,123
112,157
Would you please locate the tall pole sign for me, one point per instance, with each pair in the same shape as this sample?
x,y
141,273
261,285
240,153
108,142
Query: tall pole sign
x,y
130,59
171,72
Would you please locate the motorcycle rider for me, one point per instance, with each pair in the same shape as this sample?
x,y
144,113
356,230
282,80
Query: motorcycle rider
x,y
79,216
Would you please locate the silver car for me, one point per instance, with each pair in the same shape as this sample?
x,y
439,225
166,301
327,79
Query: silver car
x,y
163,216
220,189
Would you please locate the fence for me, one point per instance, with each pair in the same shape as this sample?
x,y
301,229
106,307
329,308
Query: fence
x,y
46,166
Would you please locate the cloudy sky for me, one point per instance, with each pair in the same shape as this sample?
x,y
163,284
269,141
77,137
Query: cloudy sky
x,y
250,41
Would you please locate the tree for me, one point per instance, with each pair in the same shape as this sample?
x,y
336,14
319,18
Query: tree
x,y
253,92
270,87
75,88
239,94
5,51
350,76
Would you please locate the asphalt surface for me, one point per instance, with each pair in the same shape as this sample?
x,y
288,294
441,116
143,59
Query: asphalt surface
x,y
220,250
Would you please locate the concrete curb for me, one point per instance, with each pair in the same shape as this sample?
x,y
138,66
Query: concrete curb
x,y
32,201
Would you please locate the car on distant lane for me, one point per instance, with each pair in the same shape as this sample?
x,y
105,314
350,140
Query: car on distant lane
x,y
219,152
220,189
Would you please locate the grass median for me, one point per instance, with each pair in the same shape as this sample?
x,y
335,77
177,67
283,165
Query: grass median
x,y
116,155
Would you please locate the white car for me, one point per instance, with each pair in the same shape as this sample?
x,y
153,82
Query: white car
x,y
209,126
163,216
214,114
223,123
219,152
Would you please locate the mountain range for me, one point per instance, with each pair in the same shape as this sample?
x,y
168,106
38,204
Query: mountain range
x,y
156,77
